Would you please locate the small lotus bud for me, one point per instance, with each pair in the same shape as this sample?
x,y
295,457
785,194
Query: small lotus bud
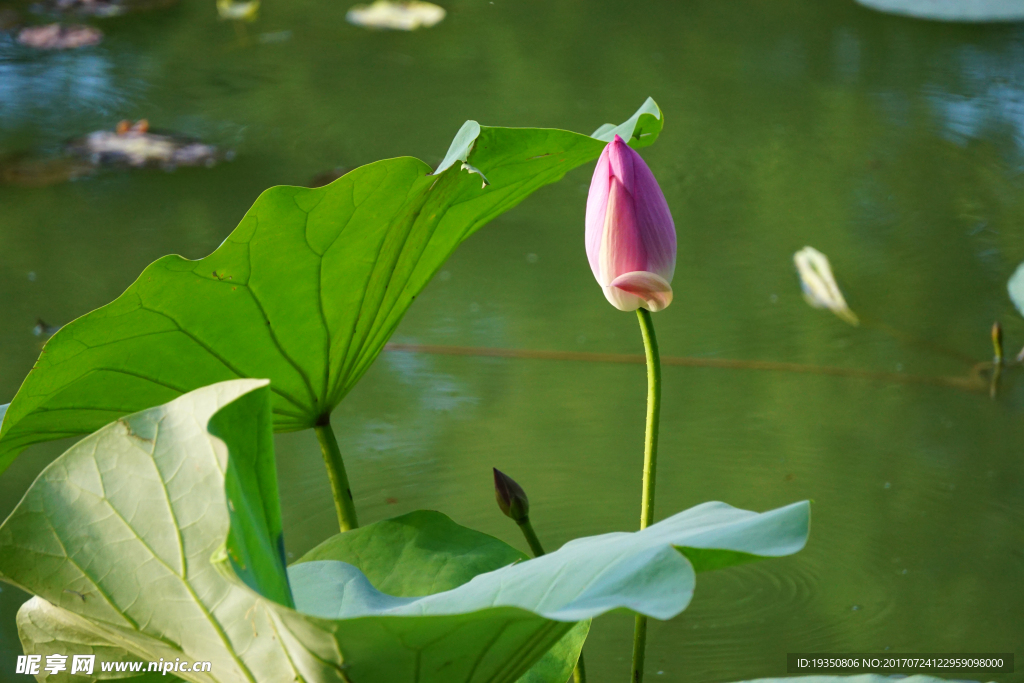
x,y
511,498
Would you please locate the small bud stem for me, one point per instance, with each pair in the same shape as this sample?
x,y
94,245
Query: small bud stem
x,y
579,673
343,503
531,537
650,468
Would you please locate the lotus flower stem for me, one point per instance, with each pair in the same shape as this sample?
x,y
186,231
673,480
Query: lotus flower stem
x,y
343,503
650,467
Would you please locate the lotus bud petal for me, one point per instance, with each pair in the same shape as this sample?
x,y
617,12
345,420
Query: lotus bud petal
x,y
819,285
630,237
511,498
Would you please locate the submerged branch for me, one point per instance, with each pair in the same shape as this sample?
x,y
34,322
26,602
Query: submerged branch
x,y
973,381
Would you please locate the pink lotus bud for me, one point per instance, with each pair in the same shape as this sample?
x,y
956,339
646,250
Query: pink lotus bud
x,y
631,239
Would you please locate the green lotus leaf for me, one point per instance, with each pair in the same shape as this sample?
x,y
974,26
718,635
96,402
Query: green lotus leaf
x,y
159,536
425,552
305,291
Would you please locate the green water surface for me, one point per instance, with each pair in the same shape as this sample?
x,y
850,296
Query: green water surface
x,y
894,146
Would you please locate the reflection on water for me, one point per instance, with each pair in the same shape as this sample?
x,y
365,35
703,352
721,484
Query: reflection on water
x,y
891,145
49,91
413,429
992,95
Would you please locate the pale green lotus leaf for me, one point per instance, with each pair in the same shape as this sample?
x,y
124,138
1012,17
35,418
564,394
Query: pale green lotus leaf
x,y
425,552
45,630
159,536
305,291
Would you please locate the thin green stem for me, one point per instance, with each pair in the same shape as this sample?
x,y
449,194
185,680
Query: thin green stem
x,y
579,673
650,467
343,503
531,537
653,416
639,646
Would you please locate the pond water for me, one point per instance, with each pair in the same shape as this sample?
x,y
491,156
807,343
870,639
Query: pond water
x,y
894,146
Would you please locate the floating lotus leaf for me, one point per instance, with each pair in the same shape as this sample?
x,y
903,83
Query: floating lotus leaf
x,y
397,16
59,37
